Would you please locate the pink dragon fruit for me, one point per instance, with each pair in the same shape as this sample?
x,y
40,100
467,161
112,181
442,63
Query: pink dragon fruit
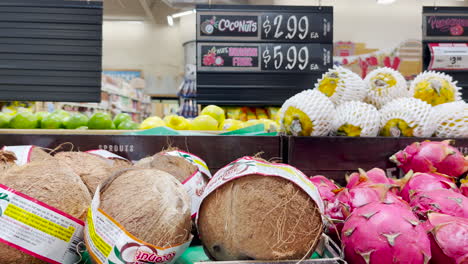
x,y
464,186
441,201
336,209
384,234
432,156
324,186
449,239
361,196
425,182
374,176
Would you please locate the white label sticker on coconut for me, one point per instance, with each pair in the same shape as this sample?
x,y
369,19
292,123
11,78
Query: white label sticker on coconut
x,y
195,185
38,229
248,165
105,154
108,242
197,161
22,153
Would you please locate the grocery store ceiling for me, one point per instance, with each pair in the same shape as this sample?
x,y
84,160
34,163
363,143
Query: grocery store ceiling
x,y
155,10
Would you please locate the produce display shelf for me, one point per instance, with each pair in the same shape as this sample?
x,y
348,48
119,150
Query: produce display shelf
x,y
335,157
217,151
82,132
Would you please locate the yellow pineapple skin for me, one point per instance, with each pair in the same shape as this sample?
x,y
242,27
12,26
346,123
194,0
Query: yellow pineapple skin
x,y
405,129
349,130
328,85
293,117
426,92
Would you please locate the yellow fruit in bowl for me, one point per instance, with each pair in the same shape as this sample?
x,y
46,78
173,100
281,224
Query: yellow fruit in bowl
x,y
214,111
177,122
231,124
204,122
152,122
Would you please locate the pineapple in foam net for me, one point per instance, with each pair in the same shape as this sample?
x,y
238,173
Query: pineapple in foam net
x,y
451,119
356,119
342,85
308,113
385,84
435,88
407,117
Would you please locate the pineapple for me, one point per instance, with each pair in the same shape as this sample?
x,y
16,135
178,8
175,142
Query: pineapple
x,y
435,88
385,85
356,119
308,113
451,119
341,85
408,117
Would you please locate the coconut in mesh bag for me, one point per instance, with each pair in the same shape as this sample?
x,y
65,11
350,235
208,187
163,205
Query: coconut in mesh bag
x,y
407,117
139,216
308,113
356,119
385,84
256,210
451,119
341,85
435,88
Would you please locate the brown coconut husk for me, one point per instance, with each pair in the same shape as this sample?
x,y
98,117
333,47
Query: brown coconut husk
x,y
38,154
259,218
7,160
178,167
159,212
51,182
92,169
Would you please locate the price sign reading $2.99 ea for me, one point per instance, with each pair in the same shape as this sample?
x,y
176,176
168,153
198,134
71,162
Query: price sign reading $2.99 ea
x,y
313,27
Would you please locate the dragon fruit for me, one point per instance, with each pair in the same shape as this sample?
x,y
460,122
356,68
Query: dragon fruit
x,y
448,235
361,196
432,156
374,176
425,182
441,201
324,186
384,233
464,186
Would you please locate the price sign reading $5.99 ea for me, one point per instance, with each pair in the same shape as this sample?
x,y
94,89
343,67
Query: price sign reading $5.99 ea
x,y
265,57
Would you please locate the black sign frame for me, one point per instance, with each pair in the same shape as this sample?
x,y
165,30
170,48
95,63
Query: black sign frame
x,y
258,87
459,75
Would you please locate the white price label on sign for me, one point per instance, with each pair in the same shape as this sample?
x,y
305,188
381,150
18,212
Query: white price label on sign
x,y
449,56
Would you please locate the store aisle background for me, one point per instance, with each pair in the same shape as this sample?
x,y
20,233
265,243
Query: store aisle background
x,y
132,41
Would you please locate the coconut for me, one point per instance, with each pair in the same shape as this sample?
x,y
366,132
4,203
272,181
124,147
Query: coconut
x,y
178,167
92,169
258,217
50,182
160,212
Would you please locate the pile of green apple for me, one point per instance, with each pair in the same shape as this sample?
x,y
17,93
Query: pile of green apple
x,y
61,119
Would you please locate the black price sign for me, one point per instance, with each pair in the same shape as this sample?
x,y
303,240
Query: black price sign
x,y
314,27
297,27
446,26
259,57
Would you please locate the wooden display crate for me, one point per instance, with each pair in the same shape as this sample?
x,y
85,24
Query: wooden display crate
x,y
334,157
217,151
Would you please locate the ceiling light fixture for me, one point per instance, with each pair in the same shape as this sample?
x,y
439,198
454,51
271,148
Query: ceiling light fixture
x,y
385,2
170,19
